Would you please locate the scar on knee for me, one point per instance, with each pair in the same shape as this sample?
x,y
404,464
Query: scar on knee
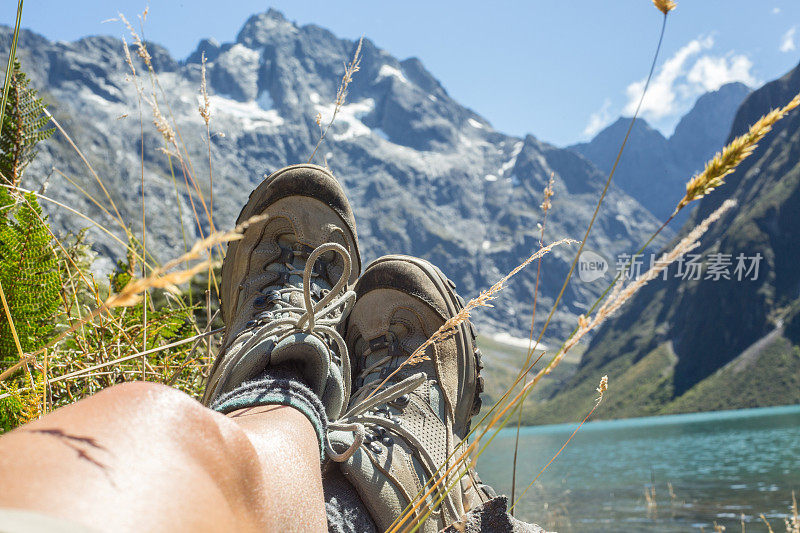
x,y
79,444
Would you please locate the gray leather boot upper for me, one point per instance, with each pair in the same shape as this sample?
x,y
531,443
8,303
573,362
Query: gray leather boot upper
x,y
414,422
286,286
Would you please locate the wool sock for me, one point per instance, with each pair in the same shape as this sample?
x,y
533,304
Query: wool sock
x,y
278,385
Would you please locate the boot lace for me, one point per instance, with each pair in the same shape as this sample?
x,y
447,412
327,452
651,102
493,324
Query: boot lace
x,y
276,315
361,418
371,420
382,366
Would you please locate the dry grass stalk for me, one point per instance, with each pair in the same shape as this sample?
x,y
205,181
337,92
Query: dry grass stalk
x,y
172,136
128,58
161,278
665,6
726,161
482,300
10,321
205,113
204,107
650,497
545,206
602,388
132,292
622,295
793,522
548,193
341,95
410,517
141,49
450,326
89,166
161,123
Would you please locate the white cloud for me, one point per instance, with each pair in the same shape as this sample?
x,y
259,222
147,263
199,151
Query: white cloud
x,y
599,119
787,41
711,73
776,10
690,72
660,100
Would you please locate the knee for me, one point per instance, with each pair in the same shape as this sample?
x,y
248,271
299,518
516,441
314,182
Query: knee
x,y
175,416
153,398
165,410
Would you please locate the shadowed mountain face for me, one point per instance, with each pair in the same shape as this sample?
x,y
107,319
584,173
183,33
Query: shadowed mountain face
x,y
731,337
702,131
654,169
426,176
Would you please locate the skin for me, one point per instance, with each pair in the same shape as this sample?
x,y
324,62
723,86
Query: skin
x,y
145,457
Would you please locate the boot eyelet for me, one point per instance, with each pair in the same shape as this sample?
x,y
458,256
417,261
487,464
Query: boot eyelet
x,y
375,446
260,302
401,401
387,441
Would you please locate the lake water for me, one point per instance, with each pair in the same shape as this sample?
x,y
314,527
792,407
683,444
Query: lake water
x,y
719,466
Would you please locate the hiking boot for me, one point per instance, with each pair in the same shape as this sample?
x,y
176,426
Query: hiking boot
x,y
415,421
285,286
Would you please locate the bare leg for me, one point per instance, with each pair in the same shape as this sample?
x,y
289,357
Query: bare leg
x,y
145,457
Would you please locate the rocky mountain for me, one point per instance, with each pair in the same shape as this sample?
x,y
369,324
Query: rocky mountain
x,y
728,335
654,168
426,175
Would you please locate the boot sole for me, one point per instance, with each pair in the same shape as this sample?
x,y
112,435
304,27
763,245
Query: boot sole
x,y
467,340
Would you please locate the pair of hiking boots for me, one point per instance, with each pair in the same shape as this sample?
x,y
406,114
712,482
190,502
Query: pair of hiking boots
x,y
291,294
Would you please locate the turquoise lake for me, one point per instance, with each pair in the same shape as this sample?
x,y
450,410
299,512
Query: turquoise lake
x,y
705,467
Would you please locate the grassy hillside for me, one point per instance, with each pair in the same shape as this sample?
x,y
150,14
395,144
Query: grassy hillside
x,y
502,362
769,377
768,374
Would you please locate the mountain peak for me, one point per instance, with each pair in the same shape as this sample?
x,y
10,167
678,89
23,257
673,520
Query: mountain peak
x,y
641,127
654,168
264,28
772,95
703,130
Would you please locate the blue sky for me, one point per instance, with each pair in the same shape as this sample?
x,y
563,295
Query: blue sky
x,y
558,69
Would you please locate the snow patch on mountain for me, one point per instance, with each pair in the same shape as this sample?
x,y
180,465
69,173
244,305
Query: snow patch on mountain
x,y
388,71
348,123
242,53
250,115
508,165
